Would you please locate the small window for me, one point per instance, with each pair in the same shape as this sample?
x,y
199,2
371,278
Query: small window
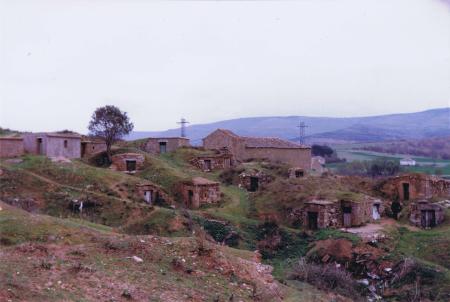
x,y
65,143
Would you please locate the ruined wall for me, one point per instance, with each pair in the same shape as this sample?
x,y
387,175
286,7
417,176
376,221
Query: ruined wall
x,y
11,146
202,194
217,162
299,158
293,173
245,179
91,148
172,144
119,161
317,164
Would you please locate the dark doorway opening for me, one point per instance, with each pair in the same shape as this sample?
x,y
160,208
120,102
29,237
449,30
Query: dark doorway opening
x,y
208,165
190,197
131,165
347,211
299,173
162,147
254,184
312,220
83,149
40,149
428,219
405,191
396,208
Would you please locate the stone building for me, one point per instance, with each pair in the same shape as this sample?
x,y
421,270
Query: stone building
x,y
128,162
319,214
415,186
11,146
159,145
153,194
296,173
252,181
53,144
199,191
212,162
426,214
91,146
273,149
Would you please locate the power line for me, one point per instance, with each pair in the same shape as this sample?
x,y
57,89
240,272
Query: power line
x,y
302,127
183,122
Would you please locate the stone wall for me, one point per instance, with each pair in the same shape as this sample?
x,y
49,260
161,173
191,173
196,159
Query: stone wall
x,y
296,173
245,179
200,194
89,148
330,214
416,209
119,161
157,194
172,143
11,146
217,162
421,186
236,145
222,140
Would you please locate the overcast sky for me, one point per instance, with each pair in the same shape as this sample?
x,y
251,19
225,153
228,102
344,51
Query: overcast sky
x,y
215,60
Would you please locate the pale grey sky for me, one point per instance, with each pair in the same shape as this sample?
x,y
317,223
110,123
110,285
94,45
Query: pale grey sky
x,y
215,60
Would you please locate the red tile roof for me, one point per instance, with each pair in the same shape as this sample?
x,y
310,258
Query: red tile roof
x,y
265,142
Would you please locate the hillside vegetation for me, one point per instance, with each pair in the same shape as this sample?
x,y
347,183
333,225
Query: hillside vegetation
x,y
217,242
437,148
48,259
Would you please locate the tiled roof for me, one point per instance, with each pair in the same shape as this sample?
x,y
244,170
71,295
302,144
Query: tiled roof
x,y
270,142
229,132
264,142
167,138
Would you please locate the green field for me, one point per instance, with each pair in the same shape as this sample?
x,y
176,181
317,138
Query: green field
x,y
352,152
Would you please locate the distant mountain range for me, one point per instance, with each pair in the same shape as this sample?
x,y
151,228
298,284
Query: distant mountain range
x,y
425,124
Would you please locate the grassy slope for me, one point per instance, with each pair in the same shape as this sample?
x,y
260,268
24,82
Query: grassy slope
x,y
48,259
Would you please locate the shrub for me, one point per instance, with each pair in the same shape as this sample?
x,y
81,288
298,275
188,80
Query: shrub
x,y
327,277
230,176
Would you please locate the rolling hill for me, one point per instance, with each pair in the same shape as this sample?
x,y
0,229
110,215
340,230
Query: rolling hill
x,y
430,123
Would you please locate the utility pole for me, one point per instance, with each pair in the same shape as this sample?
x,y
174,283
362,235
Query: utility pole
x,y
183,122
302,126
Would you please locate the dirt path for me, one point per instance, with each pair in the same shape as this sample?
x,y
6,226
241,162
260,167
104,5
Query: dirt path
x,y
373,231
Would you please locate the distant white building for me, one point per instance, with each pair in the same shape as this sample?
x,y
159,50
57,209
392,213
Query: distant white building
x,y
407,162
